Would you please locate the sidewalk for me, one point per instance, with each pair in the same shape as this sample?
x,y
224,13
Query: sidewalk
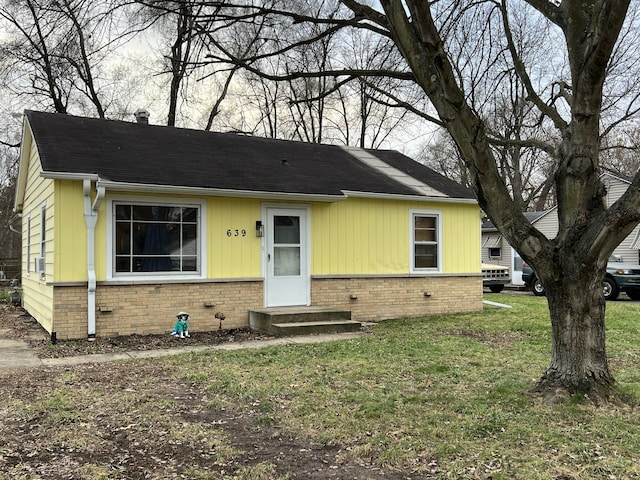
x,y
17,354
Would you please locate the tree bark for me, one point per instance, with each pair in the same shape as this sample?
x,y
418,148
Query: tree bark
x,y
579,363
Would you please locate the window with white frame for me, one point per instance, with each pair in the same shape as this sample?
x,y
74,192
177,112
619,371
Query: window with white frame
x,y
425,239
156,239
495,252
43,229
43,240
28,246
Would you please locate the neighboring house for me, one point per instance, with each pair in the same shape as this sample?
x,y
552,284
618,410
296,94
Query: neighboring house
x,y
495,249
126,224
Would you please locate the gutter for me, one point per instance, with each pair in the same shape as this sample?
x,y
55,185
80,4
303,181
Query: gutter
x,y
218,192
13,220
420,195
91,219
419,198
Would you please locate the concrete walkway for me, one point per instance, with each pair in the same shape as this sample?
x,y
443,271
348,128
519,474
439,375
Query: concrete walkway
x,y
17,354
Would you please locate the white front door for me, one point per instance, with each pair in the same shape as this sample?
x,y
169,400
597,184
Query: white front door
x,y
287,257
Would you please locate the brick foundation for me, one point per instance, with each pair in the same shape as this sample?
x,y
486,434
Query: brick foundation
x,y
380,298
152,308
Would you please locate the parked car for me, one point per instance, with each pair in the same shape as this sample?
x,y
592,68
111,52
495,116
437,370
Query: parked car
x,y
495,277
620,277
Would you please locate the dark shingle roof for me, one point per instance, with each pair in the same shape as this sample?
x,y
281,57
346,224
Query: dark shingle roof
x,y
531,216
156,155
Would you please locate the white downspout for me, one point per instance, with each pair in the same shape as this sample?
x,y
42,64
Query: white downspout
x,y
91,219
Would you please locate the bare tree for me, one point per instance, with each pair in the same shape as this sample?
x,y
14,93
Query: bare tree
x,y
526,170
181,51
9,239
441,154
175,27
621,154
570,266
460,70
32,34
55,51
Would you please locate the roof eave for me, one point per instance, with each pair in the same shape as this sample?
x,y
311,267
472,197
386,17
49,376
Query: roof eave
x,y
215,192
21,182
421,198
70,176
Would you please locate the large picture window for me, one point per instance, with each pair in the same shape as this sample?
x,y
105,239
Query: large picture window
x,y
156,239
425,236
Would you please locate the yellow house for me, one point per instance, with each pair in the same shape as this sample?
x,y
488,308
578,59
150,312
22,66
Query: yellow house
x,y
126,224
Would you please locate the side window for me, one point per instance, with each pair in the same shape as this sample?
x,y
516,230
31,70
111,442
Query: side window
x,y
40,261
43,229
425,239
28,246
495,252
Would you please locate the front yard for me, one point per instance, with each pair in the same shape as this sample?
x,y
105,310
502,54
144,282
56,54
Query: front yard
x,y
436,398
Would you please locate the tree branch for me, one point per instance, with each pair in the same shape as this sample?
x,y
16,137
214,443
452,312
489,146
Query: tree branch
x,y
528,143
549,10
521,71
10,145
246,64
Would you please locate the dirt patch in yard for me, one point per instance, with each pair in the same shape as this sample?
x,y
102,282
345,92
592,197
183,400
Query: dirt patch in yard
x,y
109,421
144,420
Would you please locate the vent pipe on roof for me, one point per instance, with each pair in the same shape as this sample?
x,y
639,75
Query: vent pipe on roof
x,y
142,116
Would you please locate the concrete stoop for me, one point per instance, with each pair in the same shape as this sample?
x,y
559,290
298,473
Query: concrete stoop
x,y
288,321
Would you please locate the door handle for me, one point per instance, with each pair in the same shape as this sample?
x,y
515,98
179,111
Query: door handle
x,y
268,257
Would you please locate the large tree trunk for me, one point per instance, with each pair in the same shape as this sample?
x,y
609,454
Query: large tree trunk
x,y
571,266
579,361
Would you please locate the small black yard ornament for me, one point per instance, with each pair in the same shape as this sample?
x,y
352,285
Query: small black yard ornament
x,y
220,316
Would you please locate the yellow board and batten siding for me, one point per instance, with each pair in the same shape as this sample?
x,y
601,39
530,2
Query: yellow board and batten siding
x,y
71,241
227,256
233,250
39,300
353,237
372,237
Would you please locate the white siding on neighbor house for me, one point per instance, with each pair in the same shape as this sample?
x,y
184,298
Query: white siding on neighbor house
x,y
615,188
495,239
629,248
548,223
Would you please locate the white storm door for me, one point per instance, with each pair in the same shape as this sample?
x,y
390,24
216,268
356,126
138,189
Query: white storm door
x,y
288,281
516,270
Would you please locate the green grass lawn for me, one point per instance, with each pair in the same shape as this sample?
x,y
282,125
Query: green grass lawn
x,y
435,398
444,395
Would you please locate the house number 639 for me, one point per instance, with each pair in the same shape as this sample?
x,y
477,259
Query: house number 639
x,y
236,233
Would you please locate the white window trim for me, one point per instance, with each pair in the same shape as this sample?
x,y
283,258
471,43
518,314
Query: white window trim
x,y
43,235
426,213
160,201
43,229
28,246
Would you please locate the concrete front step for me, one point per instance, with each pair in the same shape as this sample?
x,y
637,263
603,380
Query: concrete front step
x,y
306,328
283,321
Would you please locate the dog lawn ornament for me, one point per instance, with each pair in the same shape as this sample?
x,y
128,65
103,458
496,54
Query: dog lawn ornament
x,y
181,330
